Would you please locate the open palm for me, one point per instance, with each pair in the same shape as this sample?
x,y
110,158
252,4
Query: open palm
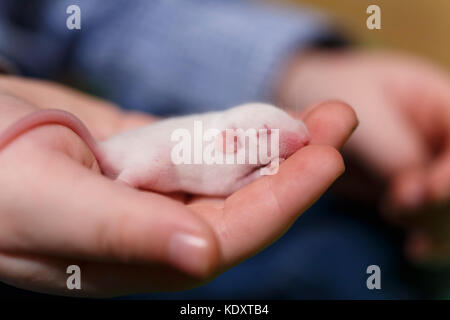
x,y
57,210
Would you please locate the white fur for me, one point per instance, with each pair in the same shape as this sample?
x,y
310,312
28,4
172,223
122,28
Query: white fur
x,y
142,157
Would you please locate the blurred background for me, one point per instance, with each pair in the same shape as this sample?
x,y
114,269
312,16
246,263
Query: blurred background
x,y
417,26
208,66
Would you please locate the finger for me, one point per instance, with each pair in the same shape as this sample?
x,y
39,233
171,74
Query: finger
x,y
12,109
331,123
407,192
431,115
53,276
101,117
428,181
259,213
430,110
76,213
413,188
396,152
303,112
386,141
132,120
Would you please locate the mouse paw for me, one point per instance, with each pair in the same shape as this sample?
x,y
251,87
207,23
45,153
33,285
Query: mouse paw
x,y
271,168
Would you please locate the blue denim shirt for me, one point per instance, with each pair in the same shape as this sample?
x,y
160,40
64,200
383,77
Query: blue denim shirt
x,y
161,56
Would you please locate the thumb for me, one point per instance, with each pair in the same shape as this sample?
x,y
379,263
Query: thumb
x,y
407,190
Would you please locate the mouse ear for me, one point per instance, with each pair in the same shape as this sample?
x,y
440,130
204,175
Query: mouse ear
x,y
228,141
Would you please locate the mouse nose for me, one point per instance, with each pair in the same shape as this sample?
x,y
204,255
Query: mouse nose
x,y
291,141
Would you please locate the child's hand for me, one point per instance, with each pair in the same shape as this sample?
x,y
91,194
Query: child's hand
x,y
404,138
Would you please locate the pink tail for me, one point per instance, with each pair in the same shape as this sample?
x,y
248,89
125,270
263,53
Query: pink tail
x,y
52,116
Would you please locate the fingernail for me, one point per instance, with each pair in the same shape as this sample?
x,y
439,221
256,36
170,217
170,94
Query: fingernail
x,y
189,253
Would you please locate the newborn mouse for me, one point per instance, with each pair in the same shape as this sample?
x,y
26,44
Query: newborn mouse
x,y
172,155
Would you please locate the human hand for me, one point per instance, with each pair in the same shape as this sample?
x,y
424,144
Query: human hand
x,y
404,138
102,117
57,210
